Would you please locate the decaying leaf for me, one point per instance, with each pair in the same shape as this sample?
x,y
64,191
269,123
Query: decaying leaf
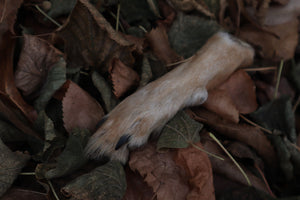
x,y
179,132
91,41
123,77
71,159
271,47
199,172
36,59
61,7
244,133
105,182
158,41
19,193
189,33
11,165
80,110
160,172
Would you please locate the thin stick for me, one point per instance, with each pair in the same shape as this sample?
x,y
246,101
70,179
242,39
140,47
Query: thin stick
x,y
296,104
3,12
143,29
179,62
27,173
229,155
53,190
258,69
118,16
47,16
265,180
278,79
256,125
191,143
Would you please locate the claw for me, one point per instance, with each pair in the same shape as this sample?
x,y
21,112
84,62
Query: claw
x,y
123,140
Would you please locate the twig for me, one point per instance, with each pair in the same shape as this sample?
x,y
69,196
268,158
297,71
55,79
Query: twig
x,y
278,79
256,125
27,173
53,190
118,16
265,180
259,69
179,62
229,155
3,11
47,16
296,104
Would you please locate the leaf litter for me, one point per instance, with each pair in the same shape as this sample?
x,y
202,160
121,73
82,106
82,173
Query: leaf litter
x,y
41,71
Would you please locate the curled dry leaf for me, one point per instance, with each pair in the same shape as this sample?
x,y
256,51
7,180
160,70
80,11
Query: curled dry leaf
x,y
160,172
244,133
123,77
199,172
90,39
158,40
80,110
8,15
37,57
271,47
228,169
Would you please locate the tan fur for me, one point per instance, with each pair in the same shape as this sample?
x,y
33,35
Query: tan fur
x,y
150,107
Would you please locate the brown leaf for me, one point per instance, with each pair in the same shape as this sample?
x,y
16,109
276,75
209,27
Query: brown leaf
x,y
158,41
90,39
220,102
8,15
137,188
199,172
228,169
244,133
241,89
160,172
7,83
123,77
80,110
37,57
18,193
271,47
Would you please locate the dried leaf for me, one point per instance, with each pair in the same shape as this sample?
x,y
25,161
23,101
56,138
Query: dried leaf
x,y
71,159
123,77
91,41
9,133
146,74
247,134
160,173
158,41
18,193
105,182
36,59
269,47
80,110
241,89
179,132
11,166
221,103
199,172
249,193
8,13
189,33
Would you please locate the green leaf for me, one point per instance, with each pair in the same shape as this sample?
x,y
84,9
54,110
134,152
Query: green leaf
x,y
179,132
71,159
61,7
106,91
11,165
277,114
55,79
53,139
189,33
104,182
